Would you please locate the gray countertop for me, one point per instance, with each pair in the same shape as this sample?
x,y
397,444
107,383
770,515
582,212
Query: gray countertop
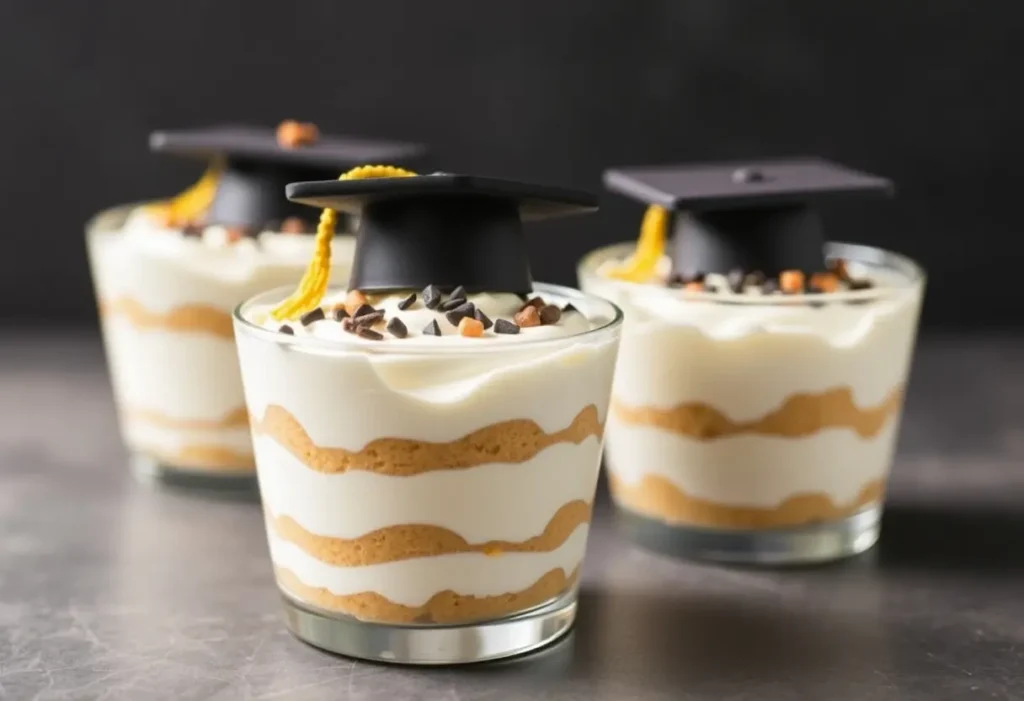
x,y
112,589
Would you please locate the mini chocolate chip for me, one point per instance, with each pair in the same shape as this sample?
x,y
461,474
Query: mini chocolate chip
x,y
482,318
675,280
569,309
458,293
431,296
449,304
754,279
550,314
505,326
363,309
311,316
770,286
192,230
369,334
407,302
287,330
459,313
369,319
396,328
340,314
432,329
735,279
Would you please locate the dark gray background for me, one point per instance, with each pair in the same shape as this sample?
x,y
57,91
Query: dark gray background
x,y
924,91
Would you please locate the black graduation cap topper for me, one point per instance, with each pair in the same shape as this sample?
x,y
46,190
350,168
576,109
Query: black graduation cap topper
x,y
256,166
750,215
441,229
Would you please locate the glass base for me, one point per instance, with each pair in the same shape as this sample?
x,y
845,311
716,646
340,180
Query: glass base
x,y
820,542
240,484
432,645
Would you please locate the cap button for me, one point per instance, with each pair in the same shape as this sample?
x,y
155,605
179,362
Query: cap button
x,y
742,176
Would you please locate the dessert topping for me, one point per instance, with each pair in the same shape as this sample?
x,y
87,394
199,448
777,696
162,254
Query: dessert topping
x,y
369,318
432,329
550,314
353,301
528,316
483,319
312,316
463,311
407,302
397,328
431,296
292,134
470,327
340,314
791,281
287,330
369,334
505,326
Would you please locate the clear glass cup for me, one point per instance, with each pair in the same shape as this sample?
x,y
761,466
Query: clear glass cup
x,y
428,504
165,314
758,429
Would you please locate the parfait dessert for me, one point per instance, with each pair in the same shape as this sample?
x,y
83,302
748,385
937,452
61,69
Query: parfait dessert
x,y
759,387
428,438
167,275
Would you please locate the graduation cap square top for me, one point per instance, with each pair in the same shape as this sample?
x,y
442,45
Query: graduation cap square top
x,y
755,215
441,229
254,165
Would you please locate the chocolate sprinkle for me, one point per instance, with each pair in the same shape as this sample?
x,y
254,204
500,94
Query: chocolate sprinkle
x,y
458,293
861,284
369,334
550,314
735,279
312,316
432,329
407,302
483,319
450,304
396,328
459,313
431,296
505,326
363,309
536,303
287,330
569,309
348,325
340,314
369,319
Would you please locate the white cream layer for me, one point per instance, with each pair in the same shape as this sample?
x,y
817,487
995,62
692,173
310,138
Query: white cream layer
x,y
347,398
162,269
413,582
746,360
144,436
179,374
757,471
499,501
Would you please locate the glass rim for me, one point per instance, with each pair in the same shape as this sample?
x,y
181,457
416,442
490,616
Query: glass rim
x,y
569,294
861,253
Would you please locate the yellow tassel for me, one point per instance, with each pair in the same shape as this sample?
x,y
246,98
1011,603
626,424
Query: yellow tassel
x,y
314,283
643,264
187,207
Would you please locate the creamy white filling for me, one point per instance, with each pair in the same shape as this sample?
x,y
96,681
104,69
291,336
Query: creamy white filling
x,y
747,470
499,501
180,374
163,269
346,399
413,582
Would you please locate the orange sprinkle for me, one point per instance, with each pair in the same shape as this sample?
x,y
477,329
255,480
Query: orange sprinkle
x,y
292,134
825,282
471,327
791,281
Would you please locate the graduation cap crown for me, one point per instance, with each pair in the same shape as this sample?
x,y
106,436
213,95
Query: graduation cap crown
x,y
249,168
416,230
726,216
